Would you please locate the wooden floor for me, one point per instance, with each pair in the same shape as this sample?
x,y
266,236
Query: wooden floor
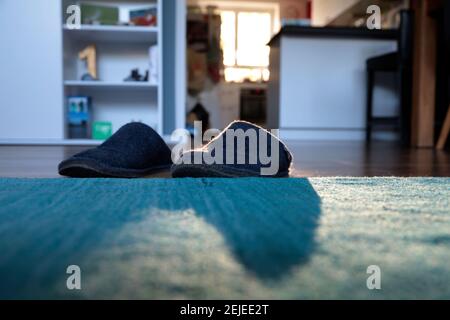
x,y
311,159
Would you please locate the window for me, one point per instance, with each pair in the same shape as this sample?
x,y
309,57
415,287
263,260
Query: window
x,y
244,37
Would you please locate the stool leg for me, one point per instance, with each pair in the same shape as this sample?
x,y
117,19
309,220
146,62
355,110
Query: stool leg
x,y
405,106
370,84
444,132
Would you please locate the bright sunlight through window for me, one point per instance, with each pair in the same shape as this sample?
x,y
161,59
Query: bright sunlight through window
x,y
244,38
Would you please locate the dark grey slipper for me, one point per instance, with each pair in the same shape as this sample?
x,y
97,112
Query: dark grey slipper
x,y
135,150
193,164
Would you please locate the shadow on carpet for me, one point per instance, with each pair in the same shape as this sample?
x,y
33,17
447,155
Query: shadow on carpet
x,y
123,228
225,238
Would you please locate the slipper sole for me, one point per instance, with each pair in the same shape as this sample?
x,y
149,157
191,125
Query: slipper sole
x,y
90,168
217,171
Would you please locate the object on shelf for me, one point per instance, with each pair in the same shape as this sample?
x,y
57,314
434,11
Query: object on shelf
x,y
253,105
101,130
136,76
144,17
215,54
78,116
198,113
296,22
153,64
197,33
197,70
90,55
99,14
294,16
205,56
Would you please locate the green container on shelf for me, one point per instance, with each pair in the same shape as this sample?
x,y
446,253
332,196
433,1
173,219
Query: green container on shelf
x,y
99,14
101,130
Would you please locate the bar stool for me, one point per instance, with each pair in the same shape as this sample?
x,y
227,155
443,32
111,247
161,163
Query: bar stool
x,y
400,63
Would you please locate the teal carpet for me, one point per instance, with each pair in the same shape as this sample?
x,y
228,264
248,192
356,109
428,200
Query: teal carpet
x,y
222,238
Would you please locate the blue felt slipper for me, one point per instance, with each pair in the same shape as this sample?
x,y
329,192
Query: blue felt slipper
x,y
135,150
241,150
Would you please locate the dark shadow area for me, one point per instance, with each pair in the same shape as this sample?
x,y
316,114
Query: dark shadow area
x,y
270,229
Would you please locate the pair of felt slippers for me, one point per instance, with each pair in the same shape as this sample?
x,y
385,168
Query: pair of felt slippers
x,y
136,150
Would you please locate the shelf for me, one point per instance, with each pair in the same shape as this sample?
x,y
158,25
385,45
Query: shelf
x,y
81,142
65,142
109,84
101,33
92,142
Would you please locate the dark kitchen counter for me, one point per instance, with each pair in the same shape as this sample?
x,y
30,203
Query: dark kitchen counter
x,y
333,32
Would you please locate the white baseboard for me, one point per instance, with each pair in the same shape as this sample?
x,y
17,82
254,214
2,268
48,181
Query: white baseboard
x,y
323,134
336,135
51,142
58,142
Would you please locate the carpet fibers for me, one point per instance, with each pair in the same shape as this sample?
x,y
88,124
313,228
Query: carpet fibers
x,y
225,238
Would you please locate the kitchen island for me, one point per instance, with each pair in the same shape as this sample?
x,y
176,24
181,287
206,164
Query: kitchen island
x,y
317,86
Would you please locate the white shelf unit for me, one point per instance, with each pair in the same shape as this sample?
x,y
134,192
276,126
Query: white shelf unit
x,y
119,50
43,68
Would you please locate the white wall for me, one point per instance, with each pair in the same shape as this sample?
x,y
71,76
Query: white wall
x,y
31,105
323,11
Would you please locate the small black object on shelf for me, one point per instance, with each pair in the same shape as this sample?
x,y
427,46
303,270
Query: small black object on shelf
x,y
198,113
136,76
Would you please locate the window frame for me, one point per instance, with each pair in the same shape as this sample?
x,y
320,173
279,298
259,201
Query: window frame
x,y
272,8
236,11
